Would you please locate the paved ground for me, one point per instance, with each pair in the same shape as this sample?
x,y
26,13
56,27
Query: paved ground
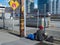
x,y
13,40
9,39
6,37
50,31
24,41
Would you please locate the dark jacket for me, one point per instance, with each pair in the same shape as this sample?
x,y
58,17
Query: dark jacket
x,y
39,35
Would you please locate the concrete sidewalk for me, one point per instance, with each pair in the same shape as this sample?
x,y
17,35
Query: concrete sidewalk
x,y
6,37
24,41
9,39
55,32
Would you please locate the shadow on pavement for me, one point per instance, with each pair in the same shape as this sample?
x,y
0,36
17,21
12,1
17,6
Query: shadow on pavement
x,y
43,44
14,34
1,28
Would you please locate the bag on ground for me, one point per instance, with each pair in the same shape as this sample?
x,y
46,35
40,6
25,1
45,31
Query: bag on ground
x,y
31,36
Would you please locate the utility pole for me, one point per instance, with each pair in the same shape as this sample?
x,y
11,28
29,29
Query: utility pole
x,y
22,18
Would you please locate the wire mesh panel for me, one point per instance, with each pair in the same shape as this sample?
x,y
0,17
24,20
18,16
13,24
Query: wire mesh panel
x,y
12,24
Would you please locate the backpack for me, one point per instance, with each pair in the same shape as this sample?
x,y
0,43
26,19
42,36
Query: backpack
x,y
31,36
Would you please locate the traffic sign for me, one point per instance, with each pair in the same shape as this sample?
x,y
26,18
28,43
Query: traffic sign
x,y
14,4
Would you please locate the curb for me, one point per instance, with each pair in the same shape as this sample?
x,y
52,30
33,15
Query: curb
x,y
57,39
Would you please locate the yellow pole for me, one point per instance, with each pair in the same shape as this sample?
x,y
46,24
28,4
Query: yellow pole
x,y
22,18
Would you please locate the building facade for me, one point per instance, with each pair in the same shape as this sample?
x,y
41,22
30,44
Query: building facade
x,y
54,6
29,6
58,6
32,7
43,6
50,6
